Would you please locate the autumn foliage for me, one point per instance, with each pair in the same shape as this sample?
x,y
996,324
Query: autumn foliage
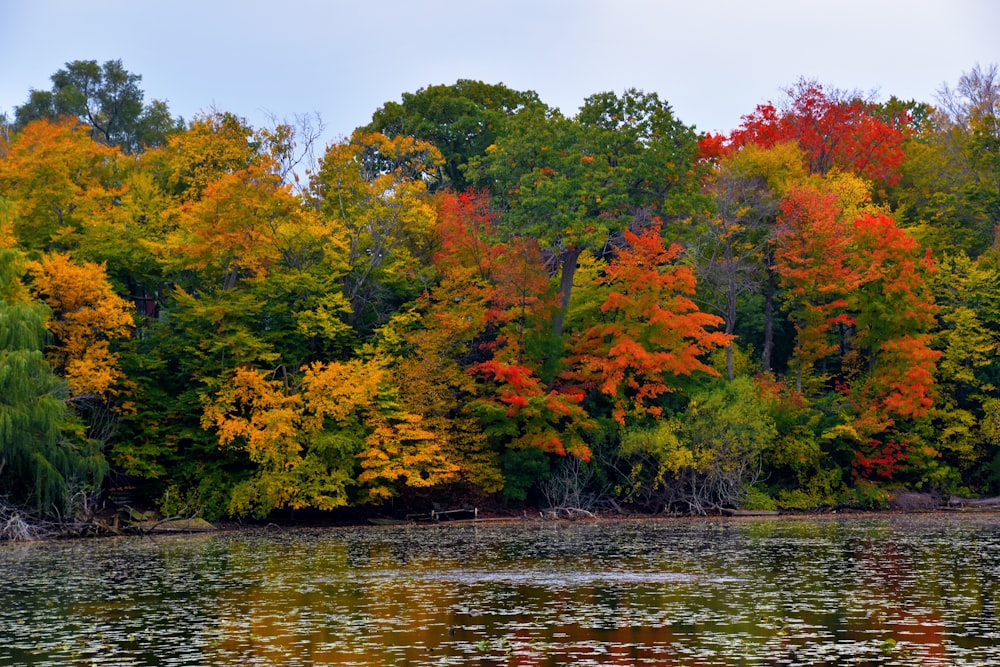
x,y
88,318
834,130
617,309
652,332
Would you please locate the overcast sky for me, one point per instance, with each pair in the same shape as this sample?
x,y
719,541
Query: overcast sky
x,y
712,60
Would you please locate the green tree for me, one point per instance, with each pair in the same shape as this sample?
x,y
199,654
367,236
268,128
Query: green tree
x,y
950,192
734,254
706,458
968,296
372,194
41,456
108,98
460,120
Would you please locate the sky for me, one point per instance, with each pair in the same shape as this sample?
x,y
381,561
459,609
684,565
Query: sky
x,y
713,61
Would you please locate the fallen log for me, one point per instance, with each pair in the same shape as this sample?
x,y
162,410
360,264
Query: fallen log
x,y
991,502
173,525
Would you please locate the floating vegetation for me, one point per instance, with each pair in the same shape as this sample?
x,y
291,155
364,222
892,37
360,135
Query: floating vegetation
x,y
893,591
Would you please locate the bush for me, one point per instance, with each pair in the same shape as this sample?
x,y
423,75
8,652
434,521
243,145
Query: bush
x,y
866,496
755,499
521,469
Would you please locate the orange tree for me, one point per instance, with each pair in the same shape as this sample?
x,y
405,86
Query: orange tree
x,y
856,288
647,333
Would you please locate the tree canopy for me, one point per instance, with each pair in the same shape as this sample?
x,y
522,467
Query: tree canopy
x,y
475,288
107,98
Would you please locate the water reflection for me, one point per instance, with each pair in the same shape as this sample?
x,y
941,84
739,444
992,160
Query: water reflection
x,y
855,591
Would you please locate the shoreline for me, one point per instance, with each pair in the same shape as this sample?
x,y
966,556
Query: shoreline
x,y
110,524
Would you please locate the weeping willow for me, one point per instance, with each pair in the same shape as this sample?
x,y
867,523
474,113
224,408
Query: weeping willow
x,y
41,455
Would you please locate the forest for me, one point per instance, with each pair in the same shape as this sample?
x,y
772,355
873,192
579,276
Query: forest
x,y
477,299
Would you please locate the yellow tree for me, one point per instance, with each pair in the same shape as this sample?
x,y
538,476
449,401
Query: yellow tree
x,y
357,399
372,191
313,440
433,384
87,319
229,233
256,414
59,180
216,143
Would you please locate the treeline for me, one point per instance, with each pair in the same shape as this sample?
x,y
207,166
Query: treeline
x,y
479,297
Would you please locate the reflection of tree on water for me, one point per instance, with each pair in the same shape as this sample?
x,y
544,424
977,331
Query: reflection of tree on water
x,y
914,591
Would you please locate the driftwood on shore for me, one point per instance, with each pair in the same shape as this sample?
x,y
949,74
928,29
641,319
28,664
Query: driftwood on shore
x,y
20,525
572,513
175,525
992,503
737,512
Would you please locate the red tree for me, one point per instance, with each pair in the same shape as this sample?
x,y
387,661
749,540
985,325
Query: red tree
x,y
835,130
814,262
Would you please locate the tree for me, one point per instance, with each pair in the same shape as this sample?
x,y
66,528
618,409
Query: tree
x,y
528,415
313,440
967,294
857,290
265,417
734,254
427,353
461,120
40,456
230,233
709,457
108,98
450,328
215,143
240,272
58,180
654,155
466,357
896,314
400,451
571,183
7,238
950,195
813,260
833,128
649,331
372,192
87,316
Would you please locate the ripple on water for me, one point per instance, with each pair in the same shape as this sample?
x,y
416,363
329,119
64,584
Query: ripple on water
x,y
882,591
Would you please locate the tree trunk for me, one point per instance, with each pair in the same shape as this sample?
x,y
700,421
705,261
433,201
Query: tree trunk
x,y
768,322
730,318
569,258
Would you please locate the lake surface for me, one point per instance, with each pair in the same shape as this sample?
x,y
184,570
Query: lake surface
x,y
888,590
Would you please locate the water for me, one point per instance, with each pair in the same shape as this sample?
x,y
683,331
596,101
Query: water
x,y
915,590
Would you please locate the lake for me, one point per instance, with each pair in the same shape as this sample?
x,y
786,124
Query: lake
x,y
854,590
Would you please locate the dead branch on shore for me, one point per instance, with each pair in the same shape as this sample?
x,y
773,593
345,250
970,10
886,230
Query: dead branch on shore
x,y
571,513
